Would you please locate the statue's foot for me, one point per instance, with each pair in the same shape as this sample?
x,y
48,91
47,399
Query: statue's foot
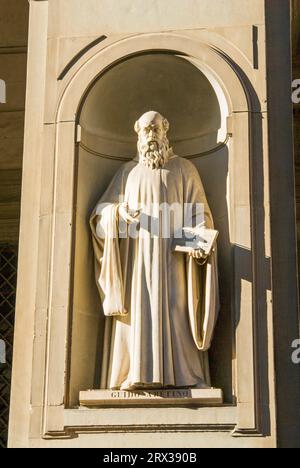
x,y
126,386
202,385
140,386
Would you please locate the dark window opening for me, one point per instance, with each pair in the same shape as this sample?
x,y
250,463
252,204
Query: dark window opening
x,y
8,279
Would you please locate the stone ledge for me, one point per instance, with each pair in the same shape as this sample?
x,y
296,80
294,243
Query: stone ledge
x,y
179,396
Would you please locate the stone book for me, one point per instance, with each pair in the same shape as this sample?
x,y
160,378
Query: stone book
x,y
196,238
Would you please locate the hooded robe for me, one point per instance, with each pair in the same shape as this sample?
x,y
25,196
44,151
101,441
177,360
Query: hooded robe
x,y
161,306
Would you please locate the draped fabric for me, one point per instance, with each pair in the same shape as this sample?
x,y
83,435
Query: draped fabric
x,y
161,306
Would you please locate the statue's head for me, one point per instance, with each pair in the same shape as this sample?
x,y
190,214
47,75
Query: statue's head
x,y
153,144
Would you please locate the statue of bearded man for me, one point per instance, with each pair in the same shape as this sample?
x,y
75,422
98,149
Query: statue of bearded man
x,y
161,306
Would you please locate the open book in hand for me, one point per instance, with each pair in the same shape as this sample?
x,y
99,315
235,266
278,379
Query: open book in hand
x,y
196,238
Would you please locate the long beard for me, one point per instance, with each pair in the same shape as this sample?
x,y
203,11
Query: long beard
x,y
154,155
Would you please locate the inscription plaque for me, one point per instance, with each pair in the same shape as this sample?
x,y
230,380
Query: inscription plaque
x,y
210,396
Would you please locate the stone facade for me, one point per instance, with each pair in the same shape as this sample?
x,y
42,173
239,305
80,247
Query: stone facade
x,y
13,57
82,61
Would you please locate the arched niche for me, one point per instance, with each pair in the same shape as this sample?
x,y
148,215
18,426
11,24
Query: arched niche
x,y
73,338
163,81
197,110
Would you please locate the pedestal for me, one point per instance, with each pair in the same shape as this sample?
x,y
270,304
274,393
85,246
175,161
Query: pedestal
x,y
178,396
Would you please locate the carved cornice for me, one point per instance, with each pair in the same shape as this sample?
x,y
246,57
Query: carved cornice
x,y
74,432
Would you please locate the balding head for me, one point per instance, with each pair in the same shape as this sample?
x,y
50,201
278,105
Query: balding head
x,y
153,144
151,118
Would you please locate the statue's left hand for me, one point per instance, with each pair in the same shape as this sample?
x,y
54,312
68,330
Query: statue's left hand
x,y
198,254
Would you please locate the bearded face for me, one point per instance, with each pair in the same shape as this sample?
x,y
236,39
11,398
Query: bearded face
x,y
154,153
153,144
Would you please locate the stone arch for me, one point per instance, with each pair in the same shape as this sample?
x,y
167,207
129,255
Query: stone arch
x,y
233,91
207,57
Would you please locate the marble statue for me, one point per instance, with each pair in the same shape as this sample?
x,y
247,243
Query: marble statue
x,y
161,306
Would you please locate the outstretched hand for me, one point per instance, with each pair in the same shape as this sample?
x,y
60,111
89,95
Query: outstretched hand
x,y
127,215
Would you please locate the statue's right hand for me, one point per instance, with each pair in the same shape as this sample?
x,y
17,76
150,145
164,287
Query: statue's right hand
x,y
126,215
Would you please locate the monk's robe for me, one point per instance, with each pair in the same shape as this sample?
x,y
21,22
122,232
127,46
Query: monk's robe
x,y
161,306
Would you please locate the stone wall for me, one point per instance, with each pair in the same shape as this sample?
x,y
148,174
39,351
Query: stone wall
x,y
296,75
13,57
72,43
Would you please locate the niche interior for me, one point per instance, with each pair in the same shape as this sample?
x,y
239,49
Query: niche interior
x,y
197,111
